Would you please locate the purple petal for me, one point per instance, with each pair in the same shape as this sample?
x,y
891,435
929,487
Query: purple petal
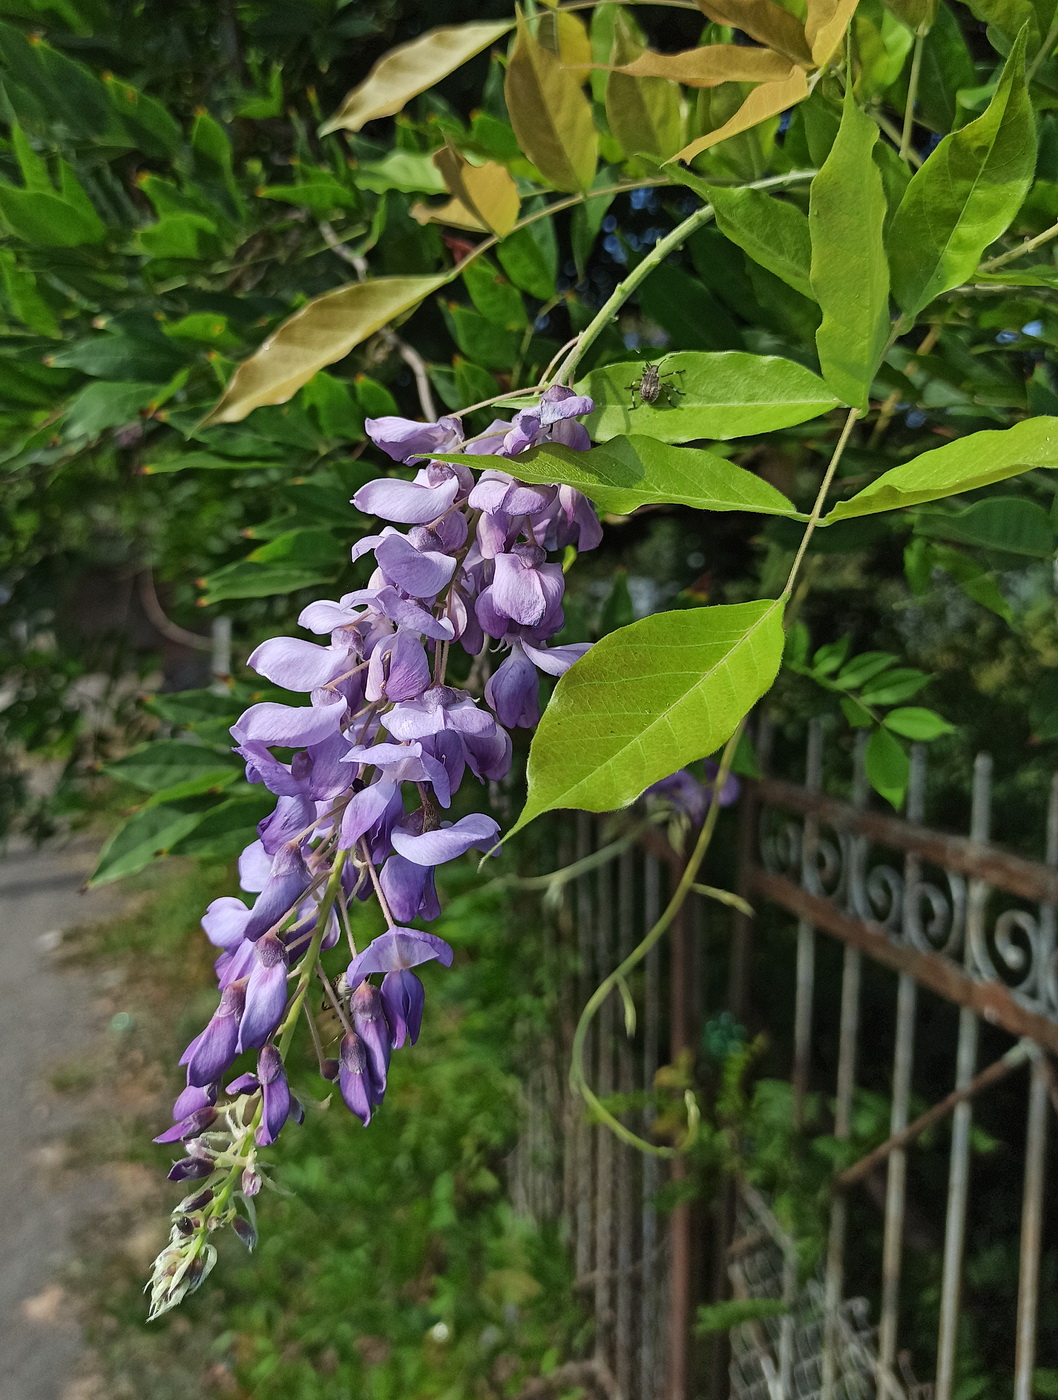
x,y
518,589
326,616
571,434
369,807
354,1078
297,665
275,1095
406,502
244,1084
369,1023
192,1099
213,1051
403,997
556,661
512,691
435,847
423,575
286,884
403,438
395,949
266,994
288,725
560,402
225,921
399,669
409,889
255,866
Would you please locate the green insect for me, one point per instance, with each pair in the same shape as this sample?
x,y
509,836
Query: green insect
x,y
651,384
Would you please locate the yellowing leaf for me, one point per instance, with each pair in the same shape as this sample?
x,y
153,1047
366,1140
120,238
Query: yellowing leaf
x,y
644,113
566,36
487,191
825,25
453,213
411,68
767,100
711,65
551,117
764,21
323,331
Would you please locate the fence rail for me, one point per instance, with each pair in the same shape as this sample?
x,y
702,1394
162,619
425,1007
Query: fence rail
x,y
954,921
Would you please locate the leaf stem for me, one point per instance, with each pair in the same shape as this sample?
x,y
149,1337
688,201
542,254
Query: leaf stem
x,y
821,498
577,1077
1044,51
1029,246
646,266
912,93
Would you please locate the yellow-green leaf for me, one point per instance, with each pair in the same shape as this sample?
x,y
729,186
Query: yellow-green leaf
x,y
764,21
323,331
567,36
825,25
767,100
453,213
963,465
411,68
488,191
647,699
710,65
643,112
552,118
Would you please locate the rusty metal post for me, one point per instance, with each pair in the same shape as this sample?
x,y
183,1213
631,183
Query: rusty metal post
x,y
966,1060
650,1363
624,1343
1031,1231
582,1134
605,1143
679,1312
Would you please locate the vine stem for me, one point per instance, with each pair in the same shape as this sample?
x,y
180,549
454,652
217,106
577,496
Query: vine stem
x,y
821,498
1029,246
912,93
645,267
1044,51
330,894
577,1077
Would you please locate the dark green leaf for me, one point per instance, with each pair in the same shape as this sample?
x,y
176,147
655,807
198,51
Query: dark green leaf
x,y
917,723
888,767
773,232
529,257
146,834
1008,523
164,762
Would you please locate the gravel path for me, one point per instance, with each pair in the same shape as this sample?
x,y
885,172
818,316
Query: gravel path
x,y
49,1017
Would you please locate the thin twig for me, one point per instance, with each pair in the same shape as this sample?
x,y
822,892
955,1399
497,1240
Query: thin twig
x,y
821,497
335,244
1029,246
158,620
912,94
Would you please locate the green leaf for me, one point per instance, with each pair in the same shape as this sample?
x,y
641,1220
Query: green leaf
x,y
771,231
966,194
687,310
643,113
629,472
221,830
898,684
164,762
863,668
850,275
407,171
323,331
113,354
186,707
529,257
214,782
494,296
727,395
917,723
1008,523
147,834
964,465
648,699
48,220
552,118
888,767
411,68
24,298
977,582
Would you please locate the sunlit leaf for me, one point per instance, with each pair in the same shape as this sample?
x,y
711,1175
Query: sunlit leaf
x,y
648,699
764,21
710,64
629,472
964,465
720,395
773,232
825,25
1008,16
488,191
411,68
915,722
966,194
146,834
567,36
767,100
323,331
453,213
850,274
888,767
552,118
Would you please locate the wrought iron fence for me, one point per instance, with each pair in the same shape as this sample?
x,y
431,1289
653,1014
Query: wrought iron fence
x,y
930,929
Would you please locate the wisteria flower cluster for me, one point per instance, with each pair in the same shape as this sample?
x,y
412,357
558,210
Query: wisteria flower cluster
x,y
379,753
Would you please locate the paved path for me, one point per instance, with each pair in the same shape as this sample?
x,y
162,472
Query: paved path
x,y
47,1016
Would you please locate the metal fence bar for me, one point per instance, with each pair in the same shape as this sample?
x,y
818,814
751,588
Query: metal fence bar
x,y
806,934
1031,1231
624,1342
650,1381
846,1082
966,1059
604,1139
903,1056
582,1135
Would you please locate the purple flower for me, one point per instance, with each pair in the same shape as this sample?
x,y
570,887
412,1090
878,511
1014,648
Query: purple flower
x,y
409,889
690,797
395,949
266,993
369,1023
408,502
284,724
354,1078
404,440
513,691
297,665
275,1094
403,998
445,843
211,1052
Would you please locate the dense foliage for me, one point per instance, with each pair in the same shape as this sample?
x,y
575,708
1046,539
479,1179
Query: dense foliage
x,y
790,232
